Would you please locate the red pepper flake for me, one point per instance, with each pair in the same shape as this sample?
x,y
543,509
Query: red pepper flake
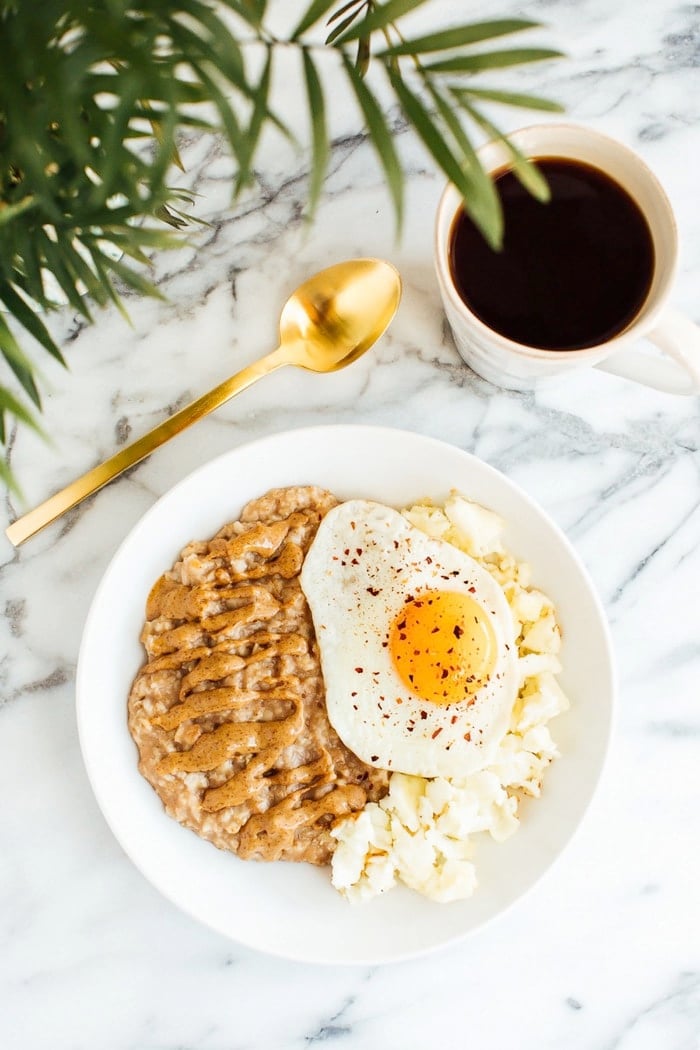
x,y
424,715
374,591
374,758
354,561
444,673
472,590
353,694
401,626
409,729
358,550
399,700
396,545
346,551
436,733
354,707
429,560
457,631
467,736
453,720
435,630
359,670
352,524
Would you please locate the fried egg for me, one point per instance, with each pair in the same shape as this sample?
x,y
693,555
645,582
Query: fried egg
x,y
416,643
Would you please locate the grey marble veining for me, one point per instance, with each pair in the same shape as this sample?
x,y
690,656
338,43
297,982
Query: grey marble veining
x,y
604,954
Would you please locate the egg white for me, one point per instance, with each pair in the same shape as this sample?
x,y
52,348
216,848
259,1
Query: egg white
x,y
364,561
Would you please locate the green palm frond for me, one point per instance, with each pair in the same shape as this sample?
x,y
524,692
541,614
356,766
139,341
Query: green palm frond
x,y
85,84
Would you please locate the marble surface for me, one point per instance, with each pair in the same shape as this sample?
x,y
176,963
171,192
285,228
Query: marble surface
x,y
605,952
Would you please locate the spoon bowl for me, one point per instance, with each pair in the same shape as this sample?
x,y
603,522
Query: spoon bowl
x,y
339,313
326,324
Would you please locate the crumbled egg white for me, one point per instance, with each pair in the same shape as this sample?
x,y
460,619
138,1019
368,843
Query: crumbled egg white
x,y
422,832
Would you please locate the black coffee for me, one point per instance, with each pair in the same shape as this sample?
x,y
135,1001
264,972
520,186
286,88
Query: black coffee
x,y
572,273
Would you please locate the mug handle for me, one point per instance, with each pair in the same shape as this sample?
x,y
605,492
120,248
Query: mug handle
x,y
678,339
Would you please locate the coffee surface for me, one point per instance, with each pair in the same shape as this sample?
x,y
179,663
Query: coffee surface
x,y
572,273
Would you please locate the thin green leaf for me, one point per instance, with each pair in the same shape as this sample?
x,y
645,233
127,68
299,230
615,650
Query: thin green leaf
x,y
166,155
524,169
248,10
9,403
381,17
257,120
132,278
29,320
127,247
188,120
102,82
258,6
380,136
164,135
169,218
346,7
26,253
11,211
228,118
481,201
319,131
6,474
460,36
509,98
137,235
18,362
474,63
66,280
101,270
113,141
430,134
82,272
341,27
363,55
315,11
195,49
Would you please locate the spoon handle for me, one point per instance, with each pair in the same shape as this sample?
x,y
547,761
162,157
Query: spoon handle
x,y
84,486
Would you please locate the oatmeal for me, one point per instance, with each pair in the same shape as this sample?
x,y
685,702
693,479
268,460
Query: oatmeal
x,y
228,712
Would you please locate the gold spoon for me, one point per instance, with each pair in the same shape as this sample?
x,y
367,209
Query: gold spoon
x,y
327,323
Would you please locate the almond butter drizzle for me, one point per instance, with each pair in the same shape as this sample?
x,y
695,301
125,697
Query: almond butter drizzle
x,y
216,630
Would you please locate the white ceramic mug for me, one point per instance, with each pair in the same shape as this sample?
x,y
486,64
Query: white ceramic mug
x,y
676,369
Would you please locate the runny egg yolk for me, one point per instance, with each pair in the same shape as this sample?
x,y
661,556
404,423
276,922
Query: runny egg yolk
x,y
443,646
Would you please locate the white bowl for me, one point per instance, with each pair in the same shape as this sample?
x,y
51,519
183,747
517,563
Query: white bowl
x,y
291,910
